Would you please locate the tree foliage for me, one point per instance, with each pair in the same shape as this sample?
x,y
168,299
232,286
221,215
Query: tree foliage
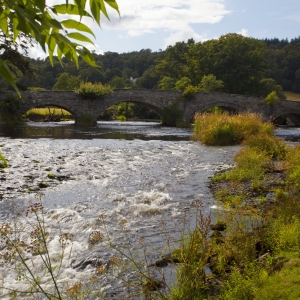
x,y
209,83
236,60
182,83
166,83
272,98
35,19
67,82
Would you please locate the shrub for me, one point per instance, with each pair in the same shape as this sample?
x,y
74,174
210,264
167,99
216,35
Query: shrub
x,y
171,114
182,83
10,110
189,92
3,162
272,98
91,91
264,142
293,164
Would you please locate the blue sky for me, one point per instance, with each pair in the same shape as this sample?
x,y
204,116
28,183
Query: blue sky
x,y
155,24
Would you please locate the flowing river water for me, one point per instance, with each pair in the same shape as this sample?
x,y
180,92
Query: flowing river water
x,y
138,182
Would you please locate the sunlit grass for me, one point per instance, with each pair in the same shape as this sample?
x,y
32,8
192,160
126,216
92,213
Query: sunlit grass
x,y
226,129
44,112
292,96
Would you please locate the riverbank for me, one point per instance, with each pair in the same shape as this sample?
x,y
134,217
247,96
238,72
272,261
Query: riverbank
x,y
252,249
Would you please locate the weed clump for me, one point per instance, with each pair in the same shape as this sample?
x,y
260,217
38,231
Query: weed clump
x,y
3,162
87,90
225,129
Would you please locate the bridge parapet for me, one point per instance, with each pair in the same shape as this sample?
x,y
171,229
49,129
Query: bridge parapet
x,y
157,100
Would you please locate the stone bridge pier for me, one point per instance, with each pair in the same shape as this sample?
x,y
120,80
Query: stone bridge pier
x,y
86,111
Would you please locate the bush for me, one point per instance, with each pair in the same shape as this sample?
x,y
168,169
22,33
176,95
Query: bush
x,y
189,92
272,98
264,142
10,110
92,91
171,114
224,129
3,162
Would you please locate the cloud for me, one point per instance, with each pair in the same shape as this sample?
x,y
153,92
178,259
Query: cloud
x,y
94,48
36,52
140,17
243,32
183,35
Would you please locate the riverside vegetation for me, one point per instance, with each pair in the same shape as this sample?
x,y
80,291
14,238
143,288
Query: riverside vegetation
x,y
250,251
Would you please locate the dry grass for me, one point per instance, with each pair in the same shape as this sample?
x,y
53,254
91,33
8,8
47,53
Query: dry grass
x,y
292,96
48,112
225,129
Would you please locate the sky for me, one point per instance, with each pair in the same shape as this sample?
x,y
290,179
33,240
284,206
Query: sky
x,y
156,24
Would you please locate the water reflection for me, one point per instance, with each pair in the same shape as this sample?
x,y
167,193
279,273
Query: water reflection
x,y
103,130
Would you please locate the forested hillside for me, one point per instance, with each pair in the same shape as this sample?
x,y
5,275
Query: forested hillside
x,y
232,63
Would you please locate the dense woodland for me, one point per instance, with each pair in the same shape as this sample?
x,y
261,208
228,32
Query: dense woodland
x,y
240,64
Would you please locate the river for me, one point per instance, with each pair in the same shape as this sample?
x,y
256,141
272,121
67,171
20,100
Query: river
x,y
136,181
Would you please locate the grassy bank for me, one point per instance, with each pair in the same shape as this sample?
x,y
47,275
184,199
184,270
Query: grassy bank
x,y
48,114
292,96
253,248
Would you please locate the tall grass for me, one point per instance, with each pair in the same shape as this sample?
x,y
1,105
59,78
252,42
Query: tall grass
x,y
225,129
46,113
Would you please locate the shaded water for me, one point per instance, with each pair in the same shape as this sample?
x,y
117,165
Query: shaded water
x,y
143,173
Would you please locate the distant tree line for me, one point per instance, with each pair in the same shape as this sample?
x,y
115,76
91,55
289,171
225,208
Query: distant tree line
x,y
232,64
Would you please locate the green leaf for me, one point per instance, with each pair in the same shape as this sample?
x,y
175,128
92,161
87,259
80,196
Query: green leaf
x,y
103,9
67,48
4,24
7,75
113,4
80,37
87,56
72,24
15,23
40,4
95,9
55,23
69,9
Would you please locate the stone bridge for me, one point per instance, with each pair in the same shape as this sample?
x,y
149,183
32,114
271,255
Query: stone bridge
x,y
157,100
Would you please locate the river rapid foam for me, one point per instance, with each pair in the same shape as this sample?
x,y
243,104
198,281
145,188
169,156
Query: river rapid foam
x,y
131,190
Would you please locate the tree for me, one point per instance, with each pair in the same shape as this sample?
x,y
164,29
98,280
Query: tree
x,y
236,60
268,85
148,80
174,64
117,82
67,82
39,21
210,84
166,83
182,83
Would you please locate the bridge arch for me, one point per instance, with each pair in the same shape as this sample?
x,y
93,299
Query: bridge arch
x,y
147,104
229,107
287,118
50,104
51,113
